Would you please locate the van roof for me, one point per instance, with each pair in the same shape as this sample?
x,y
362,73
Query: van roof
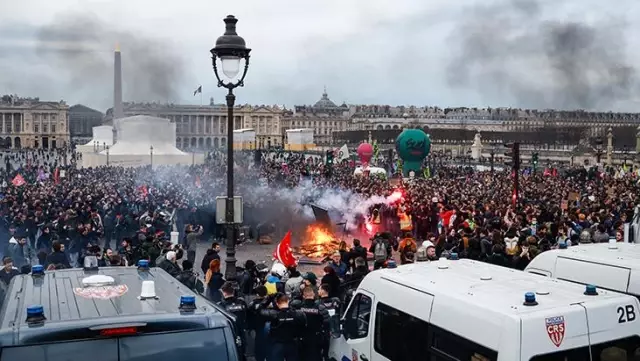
x,y
60,294
495,288
623,255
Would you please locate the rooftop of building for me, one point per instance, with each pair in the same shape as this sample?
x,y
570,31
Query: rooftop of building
x,y
16,101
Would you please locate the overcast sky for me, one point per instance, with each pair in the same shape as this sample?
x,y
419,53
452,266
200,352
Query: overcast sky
x,y
520,53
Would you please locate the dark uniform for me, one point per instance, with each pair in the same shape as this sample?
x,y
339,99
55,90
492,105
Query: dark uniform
x,y
334,308
238,308
257,323
286,325
316,330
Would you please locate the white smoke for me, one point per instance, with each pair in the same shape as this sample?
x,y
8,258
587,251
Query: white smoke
x,y
348,205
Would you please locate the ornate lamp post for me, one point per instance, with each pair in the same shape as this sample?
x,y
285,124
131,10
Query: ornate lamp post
x,y
107,155
151,156
230,49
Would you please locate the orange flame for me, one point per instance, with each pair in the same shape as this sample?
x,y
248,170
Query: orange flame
x,y
317,235
318,242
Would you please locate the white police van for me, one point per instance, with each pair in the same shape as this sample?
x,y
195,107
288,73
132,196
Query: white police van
x,y
613,266
468,310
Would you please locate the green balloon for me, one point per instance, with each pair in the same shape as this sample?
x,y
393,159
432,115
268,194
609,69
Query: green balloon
x,y
413,145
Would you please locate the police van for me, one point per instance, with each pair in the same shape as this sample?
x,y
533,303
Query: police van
x,y
613,266
468,310
114,313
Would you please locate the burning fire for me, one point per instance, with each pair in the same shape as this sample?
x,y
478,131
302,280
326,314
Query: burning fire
x,y
318,242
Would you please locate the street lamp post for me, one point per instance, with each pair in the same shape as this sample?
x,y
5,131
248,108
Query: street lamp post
x,y
151,156
492,153
107,155
230,49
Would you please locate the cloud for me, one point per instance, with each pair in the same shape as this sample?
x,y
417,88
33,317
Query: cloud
x,y
403,52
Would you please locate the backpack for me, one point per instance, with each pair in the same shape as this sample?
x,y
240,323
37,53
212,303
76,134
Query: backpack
x,y
380,251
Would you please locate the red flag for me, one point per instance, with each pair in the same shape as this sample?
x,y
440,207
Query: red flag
x,y
143,189
18,181
198,183
283,251
56,176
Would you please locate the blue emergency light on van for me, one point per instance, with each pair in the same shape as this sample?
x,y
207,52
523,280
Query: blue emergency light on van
x,y
187,303
591,290
37,270
143,264
453,257
530,299
35,314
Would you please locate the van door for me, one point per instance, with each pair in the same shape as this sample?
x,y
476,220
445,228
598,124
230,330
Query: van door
x,y
615,328
560,333
354,343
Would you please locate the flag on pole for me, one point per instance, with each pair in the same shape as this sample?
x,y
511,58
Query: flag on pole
x,y
283,253
199,90
18,181
343,153
56,176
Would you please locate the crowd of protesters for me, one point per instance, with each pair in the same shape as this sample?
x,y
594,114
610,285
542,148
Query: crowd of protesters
x,y
55,214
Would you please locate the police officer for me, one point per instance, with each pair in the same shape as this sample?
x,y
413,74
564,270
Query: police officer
x,y
286,324
334,309
317,325
256,324
238,308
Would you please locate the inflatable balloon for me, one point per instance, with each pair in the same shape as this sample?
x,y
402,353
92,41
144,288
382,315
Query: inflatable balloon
x,y
413,145
365,152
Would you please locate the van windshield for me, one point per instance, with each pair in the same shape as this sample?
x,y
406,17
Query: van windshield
x,y
191,345
626,349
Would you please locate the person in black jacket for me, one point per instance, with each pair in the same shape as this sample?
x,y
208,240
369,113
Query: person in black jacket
x,y
188,278
212,253
357,251
317,325
247,279
256,324
238,308
57,257
334,309
286,327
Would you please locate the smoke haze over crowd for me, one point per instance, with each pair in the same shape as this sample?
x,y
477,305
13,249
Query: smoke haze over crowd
x,y
151,69
515,47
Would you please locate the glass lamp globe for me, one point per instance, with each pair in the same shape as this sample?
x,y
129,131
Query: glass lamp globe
x,y
230,66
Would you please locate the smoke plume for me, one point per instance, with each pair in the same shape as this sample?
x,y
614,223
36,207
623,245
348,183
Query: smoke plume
x,y
82,46
511,49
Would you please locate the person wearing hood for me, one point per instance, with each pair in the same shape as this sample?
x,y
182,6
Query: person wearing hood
x,y
293,283
430,251
168,263
274,282
16,250
212,253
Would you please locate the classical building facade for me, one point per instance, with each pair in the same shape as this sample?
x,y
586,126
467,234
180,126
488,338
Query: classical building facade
x,y
205,127
31,123
324,117
82,119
